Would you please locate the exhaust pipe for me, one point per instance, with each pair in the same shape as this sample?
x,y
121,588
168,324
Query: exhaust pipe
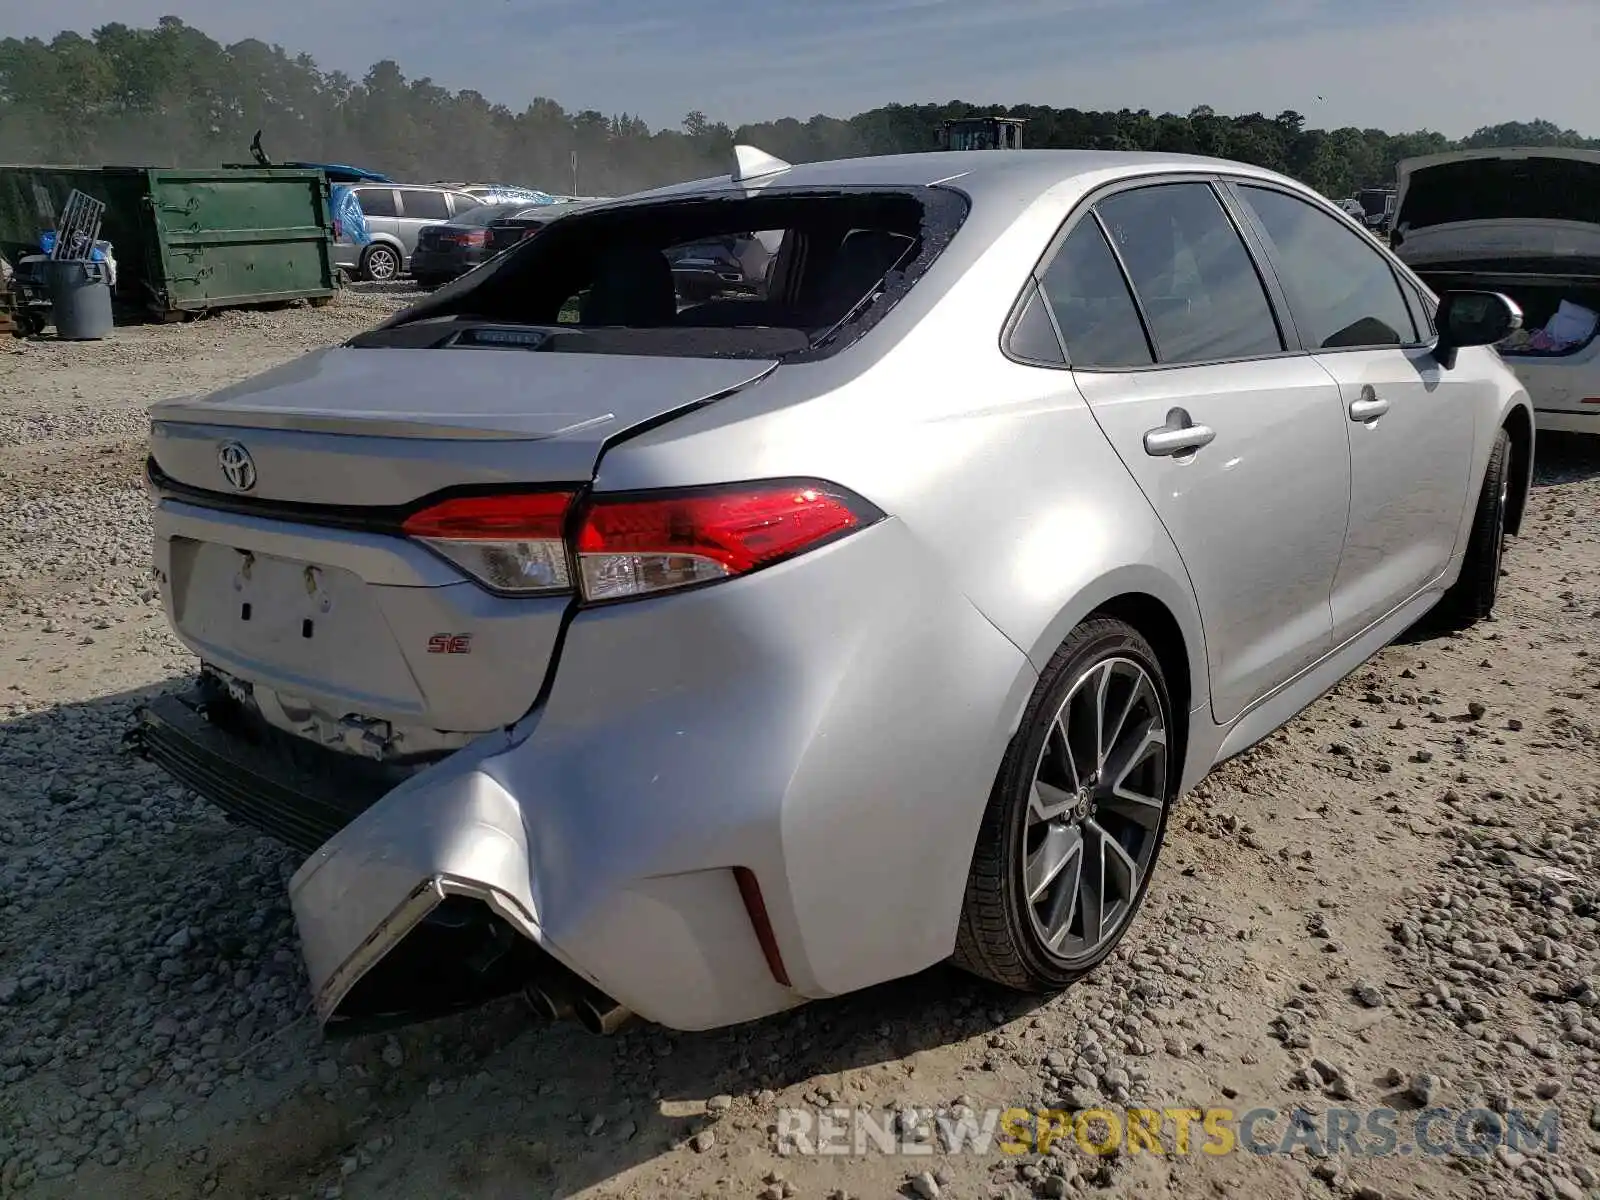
x,y
552,1007
596,1012
601,1014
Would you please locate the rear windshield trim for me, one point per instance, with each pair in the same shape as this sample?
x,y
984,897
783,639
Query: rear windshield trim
x,y
943,211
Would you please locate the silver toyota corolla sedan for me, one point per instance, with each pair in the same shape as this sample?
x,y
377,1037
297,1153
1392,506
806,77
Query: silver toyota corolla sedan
x,y
696,661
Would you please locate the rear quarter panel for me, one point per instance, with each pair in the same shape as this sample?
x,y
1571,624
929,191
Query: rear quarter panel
x,y
998,469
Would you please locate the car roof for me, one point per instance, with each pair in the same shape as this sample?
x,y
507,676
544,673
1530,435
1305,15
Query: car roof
x,y
979,173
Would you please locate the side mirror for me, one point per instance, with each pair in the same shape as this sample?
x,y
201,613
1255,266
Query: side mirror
x,y
1473,319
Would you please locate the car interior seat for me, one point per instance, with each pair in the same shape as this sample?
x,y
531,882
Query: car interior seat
x,y
863,258
632,287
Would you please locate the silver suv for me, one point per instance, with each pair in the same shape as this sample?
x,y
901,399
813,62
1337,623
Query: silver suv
x,y
395,215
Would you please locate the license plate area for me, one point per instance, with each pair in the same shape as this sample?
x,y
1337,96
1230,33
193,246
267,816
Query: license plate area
x,y
314,627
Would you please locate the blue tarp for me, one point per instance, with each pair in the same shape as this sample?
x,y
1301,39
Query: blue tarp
x,y
341,172
347,215
97,252
517,195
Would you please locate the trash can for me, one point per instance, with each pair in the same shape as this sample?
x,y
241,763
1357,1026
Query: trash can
x,y
80,298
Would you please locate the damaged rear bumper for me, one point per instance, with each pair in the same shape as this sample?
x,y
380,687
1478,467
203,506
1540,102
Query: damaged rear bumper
x,y
382,948
395,930
723,808
299,795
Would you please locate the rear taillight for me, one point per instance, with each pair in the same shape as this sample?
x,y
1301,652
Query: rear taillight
x,y
511,543
639,544
644,544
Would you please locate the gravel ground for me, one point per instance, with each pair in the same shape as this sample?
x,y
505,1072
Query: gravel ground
x,y
1393,902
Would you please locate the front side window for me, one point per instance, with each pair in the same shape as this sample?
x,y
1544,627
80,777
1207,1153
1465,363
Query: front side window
x,y
1193,276
1342,290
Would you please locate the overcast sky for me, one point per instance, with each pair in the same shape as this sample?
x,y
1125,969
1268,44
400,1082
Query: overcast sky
x,y
1450,65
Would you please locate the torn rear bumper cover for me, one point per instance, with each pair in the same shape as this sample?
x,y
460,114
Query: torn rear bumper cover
x,y
265,780
436,889
366,890
715,814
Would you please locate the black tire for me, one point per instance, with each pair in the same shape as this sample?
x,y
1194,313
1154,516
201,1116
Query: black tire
x,y
997,938
380,263
1473,596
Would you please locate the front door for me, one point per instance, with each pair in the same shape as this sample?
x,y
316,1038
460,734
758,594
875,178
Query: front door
x,y
1410,424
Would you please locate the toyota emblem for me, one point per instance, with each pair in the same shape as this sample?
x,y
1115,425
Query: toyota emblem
x,y
237,466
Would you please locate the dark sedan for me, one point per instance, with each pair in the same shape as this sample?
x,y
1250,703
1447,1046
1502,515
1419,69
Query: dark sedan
x,y
448,250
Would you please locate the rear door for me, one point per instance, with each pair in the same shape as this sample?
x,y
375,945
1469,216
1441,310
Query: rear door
x,y
419,207
1409,424
1235,438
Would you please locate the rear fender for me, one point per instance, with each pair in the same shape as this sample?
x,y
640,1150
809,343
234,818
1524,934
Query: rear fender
x,y
1130,587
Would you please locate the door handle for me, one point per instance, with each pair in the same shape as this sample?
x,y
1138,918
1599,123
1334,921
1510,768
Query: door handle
x,y
1179,435
1370,407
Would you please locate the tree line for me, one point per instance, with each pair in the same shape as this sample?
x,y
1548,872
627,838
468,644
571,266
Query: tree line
x,y
172,96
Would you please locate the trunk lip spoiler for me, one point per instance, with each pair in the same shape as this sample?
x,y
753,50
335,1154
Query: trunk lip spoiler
x,y
364,518
359,424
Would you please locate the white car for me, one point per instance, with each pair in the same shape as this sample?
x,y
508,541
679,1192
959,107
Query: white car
x,y
1525,223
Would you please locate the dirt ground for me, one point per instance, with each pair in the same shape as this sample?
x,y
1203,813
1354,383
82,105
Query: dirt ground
x,y
1393,903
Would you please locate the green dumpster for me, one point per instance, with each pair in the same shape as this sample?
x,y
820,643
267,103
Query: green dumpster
x,y
188,241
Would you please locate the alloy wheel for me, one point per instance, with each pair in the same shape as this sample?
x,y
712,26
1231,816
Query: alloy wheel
x,y
1095,813
1500,529
382,265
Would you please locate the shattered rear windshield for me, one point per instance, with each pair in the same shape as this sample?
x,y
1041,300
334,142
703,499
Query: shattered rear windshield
x,y
796,273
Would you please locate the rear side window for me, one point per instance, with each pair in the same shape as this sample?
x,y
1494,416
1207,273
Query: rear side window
x,y
425,205
376,202
1343,292
1193,276
1092,306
